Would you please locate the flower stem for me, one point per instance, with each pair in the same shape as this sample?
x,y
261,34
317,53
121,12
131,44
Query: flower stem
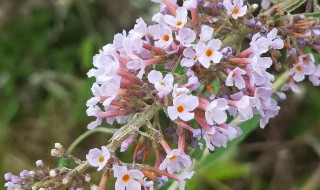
x,y
86,134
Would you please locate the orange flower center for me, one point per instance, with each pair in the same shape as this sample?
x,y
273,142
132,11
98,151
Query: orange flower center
x,y
180,108
195,57
209,52
173,158
125,178
305,59
166,37
299,68
101,159
235,11
179,23
234,75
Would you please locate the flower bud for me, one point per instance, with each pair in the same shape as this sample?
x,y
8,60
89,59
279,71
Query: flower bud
x,y
39,163
58,146
53,173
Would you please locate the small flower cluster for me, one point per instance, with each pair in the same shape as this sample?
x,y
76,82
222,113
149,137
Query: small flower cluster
x,y
57,178
172,65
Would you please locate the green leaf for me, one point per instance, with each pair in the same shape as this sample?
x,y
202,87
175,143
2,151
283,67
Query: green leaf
x,y
295,5
315,15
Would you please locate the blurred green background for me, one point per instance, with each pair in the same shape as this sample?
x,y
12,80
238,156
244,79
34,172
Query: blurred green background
x,y
46,48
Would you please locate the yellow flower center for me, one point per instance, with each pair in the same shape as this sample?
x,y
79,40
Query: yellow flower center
x,y
235,11
163,84
166,37
195,57
299,68
101,159
209,52
172,158
126,178
180,108
179,23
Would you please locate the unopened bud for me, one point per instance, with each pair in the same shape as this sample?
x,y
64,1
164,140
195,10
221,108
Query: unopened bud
x,y
56,153
87,178
65,181
58,146
53,173
39,163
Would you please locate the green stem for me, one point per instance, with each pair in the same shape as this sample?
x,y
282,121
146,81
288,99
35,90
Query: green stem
x,y
86,134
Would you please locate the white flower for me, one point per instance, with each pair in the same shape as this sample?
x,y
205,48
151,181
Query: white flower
x,y
106,67
182,107
216,111
98,158
163,35
235,78
127,179
179,20
209,52
175,161
235,8
162,84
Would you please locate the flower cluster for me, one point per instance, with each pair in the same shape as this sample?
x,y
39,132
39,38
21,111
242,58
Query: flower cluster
x,y
171,67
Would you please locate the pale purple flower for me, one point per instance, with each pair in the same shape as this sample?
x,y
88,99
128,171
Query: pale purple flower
x,y
315,76
291,85
259,44
183,106
175,161
216,111
307,59
260,64
106,67
235,8
256,79
98,158
190,4
244,105
300,70
162,84
179,20
216,137
193,83
235,78
179,91
127,179
121,119
265,4
107,91
163,35
182,178
210,52
190,57
206,33
140,27
186,36
94,111
126,143
274,40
